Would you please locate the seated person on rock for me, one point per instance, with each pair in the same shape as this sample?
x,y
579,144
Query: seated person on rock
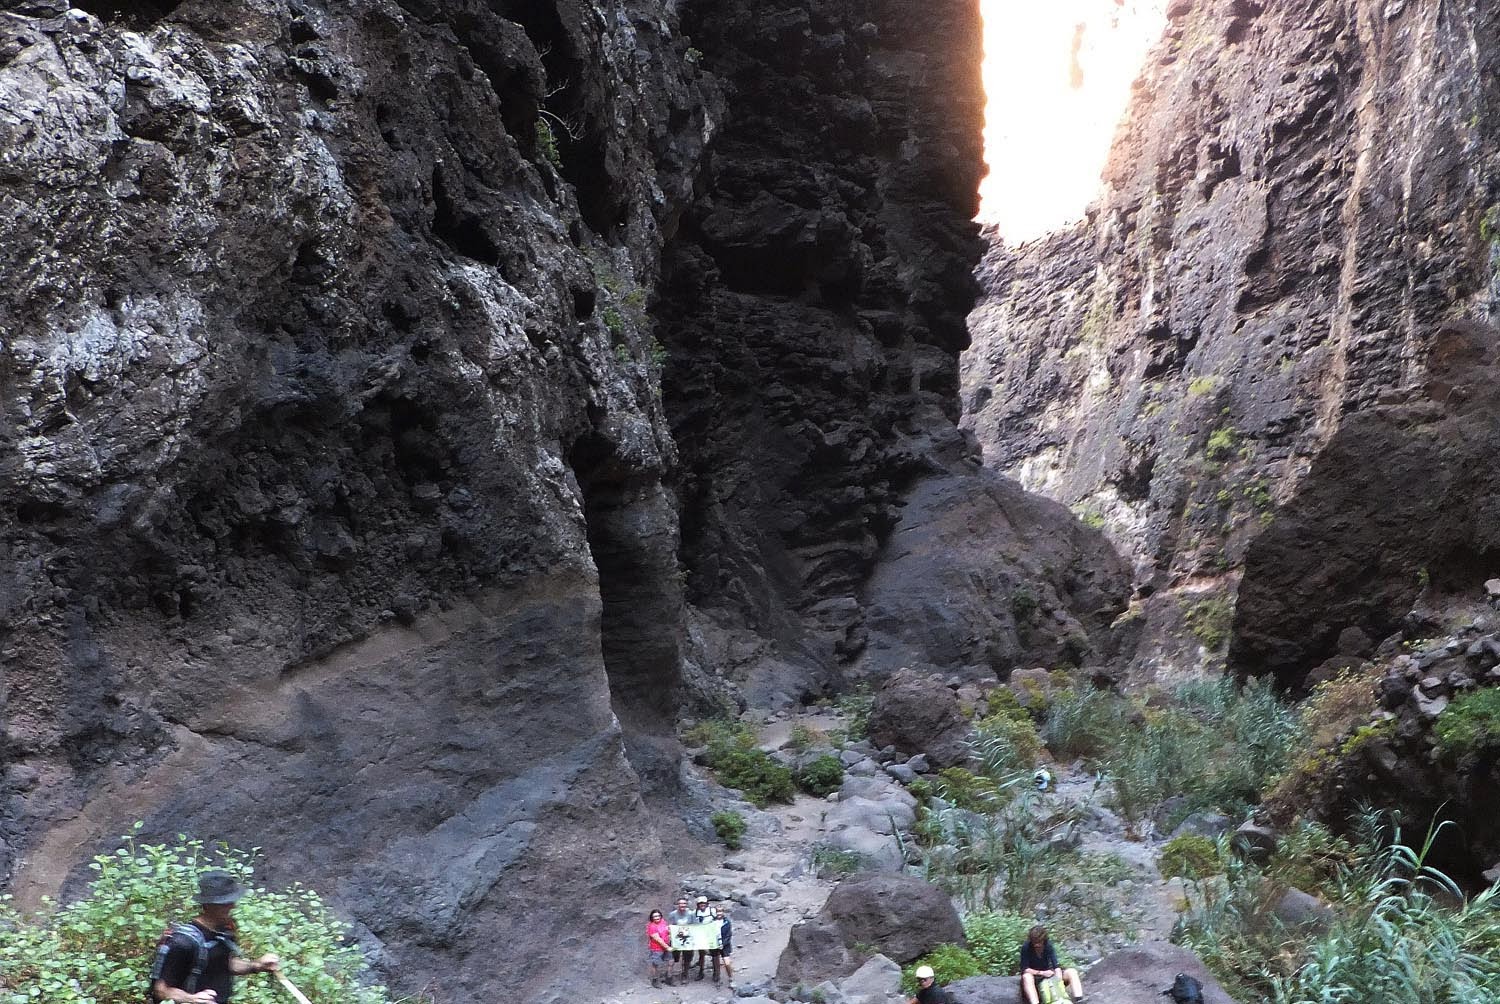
x,y
1039,964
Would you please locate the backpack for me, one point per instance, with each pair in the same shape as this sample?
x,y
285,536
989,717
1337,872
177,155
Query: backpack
x,y
164,946
1185,990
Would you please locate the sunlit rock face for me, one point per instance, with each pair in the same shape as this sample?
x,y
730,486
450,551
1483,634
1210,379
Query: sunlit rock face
x,y
1297,207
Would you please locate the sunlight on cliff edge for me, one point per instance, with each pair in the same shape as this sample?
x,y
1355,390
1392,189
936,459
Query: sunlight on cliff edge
x,y
1057,74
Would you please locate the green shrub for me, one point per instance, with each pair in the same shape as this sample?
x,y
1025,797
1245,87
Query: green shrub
x,y
1083,723
948,962
1472,722
855,707
1211,620
965,789
96,950
1003,702
1191,856
822,776
995,941
730,826
826,857
719,730
1006,744
1402,932
805,737
757,776
1023,604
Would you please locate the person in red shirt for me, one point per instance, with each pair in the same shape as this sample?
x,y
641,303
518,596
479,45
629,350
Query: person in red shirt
x,y
658,947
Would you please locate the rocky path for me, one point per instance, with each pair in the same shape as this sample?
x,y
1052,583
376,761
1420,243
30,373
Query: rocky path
x,y
772,883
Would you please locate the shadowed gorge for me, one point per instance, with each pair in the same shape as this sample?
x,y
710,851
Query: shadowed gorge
x,y
516,462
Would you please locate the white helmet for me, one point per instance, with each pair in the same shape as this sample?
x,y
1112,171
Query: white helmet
x,y
924,973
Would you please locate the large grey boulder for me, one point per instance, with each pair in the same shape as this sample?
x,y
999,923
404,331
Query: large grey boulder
x,y
814,950
986,990
1139,974
918,714
900,916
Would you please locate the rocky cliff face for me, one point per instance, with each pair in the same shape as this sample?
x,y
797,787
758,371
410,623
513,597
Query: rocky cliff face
x,y
1238,357
813,311
342,473
330,432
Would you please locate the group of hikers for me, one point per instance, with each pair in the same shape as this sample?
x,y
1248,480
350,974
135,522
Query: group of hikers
x,y
704,933
196,962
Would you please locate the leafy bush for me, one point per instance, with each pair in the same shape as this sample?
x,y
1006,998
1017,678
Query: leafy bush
x,y
1472,722
948,962
730,826
1003,702
995,940
822,776
1191,856
1210,620
715,731
97,950
757,776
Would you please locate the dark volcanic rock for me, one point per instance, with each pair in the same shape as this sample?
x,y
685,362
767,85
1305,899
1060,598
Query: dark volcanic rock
x,y
1264,267
813,307
900,916
1139,974
920,715
331,443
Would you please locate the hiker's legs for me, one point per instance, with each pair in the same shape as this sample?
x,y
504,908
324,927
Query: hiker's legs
x,y
1028,987
702,954
1071,975
685,957
717,953
729,970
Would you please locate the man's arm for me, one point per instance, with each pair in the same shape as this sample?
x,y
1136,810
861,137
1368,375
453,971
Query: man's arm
x,y
162,992
265,964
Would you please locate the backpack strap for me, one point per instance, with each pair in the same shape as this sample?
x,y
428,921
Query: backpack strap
x,y
200,953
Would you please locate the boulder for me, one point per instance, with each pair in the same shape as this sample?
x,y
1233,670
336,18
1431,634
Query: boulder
x,y
987,990
1139,974
918,714
901,915
1297,909
814,950
876,982
1254,842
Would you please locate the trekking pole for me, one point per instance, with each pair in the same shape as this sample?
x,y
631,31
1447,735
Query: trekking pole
x,y
301,998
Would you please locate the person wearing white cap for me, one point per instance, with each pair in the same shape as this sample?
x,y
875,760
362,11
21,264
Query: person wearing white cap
x,y
703,914
928,992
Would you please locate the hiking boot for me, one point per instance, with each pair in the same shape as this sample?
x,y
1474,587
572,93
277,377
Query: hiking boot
x,y
700,976
656,983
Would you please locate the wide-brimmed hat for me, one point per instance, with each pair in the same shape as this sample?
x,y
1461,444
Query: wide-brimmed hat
x,y
219,888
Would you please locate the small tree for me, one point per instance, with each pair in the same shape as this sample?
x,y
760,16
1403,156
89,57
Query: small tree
x,y
98,950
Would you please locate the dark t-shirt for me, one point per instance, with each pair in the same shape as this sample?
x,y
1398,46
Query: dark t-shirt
x,y
933,995
726,937
1031,959
177,954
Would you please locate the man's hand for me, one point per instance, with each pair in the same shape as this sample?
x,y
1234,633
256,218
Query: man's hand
x,y
269,963
202,997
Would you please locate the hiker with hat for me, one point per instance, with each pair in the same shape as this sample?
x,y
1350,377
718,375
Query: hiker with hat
x,y
195,963
703,914
928,992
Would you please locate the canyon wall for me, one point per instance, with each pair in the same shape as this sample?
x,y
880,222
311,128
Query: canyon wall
x,y
1240,363
407,408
